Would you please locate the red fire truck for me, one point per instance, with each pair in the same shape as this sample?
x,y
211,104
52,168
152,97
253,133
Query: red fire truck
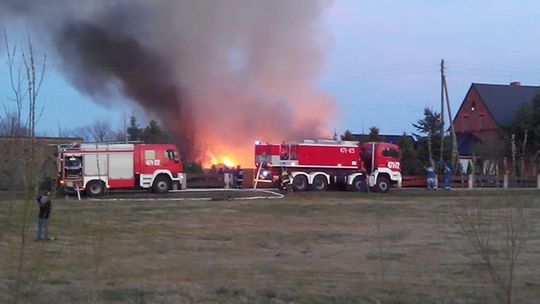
x,y
314,164
97,167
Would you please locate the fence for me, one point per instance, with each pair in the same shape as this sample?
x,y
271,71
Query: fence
x,y
216,180
476,181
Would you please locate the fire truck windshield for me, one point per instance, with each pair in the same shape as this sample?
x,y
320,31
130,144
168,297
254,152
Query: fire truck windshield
x,y
73,163
390,152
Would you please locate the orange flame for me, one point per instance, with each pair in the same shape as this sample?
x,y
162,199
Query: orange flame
x,y
224,160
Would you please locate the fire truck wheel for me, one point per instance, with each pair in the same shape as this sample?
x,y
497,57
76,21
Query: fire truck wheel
x,y
300,183
382,184
359,184
161,184
95,188
319,183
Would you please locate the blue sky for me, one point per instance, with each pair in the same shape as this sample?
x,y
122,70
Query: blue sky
x,y
382,62
383,67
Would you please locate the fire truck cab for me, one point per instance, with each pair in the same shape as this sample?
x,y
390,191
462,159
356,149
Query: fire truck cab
x,y
97,167
315,164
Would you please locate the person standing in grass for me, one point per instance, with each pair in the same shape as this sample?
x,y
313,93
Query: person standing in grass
x,y
447,176
45,206
430,174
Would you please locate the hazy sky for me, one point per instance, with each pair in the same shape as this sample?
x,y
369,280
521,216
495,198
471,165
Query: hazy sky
x,y
382,61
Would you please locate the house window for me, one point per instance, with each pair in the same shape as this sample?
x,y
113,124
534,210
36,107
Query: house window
x,y
481,122
465,123
473,106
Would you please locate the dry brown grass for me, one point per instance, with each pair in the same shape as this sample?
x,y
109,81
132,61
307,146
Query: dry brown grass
x,y
306,248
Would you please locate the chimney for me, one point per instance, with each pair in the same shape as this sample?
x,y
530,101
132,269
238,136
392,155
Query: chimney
x,y
515,83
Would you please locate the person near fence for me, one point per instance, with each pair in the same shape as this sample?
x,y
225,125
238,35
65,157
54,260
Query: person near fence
x,y
45,206
447,176
430,174
239,177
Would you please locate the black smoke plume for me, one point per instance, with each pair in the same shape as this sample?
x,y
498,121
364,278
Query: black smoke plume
x,y
218,74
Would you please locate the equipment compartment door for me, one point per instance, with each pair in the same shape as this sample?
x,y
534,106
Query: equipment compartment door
x,y
121,170
95,165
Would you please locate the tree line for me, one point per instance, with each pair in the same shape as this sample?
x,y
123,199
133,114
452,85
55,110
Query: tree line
x,y
101,130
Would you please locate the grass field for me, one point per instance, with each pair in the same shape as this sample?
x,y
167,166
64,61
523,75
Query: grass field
x,y
335,247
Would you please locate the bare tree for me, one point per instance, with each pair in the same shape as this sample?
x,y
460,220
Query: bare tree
x,y
26,83
63,132
491,152
101,130
498,236
97,131
119,135
34,80
11,122
83,132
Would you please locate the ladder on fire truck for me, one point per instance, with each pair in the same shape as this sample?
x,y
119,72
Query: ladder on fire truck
x,y
257,179
285,185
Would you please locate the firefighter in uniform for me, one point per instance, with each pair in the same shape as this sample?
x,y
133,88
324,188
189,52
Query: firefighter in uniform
x,y
239,177
285,180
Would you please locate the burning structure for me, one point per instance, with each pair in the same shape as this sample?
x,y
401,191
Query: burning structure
x,y
217,74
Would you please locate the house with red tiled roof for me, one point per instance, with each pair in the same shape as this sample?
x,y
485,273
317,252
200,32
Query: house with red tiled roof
x,y
486,109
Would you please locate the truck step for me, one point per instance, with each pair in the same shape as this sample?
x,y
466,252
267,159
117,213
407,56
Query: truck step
x,y
146,181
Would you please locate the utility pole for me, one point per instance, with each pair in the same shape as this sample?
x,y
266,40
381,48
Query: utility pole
x,y
442,111
444,95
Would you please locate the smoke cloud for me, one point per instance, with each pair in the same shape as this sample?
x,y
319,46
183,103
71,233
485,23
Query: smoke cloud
x,y
217,74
